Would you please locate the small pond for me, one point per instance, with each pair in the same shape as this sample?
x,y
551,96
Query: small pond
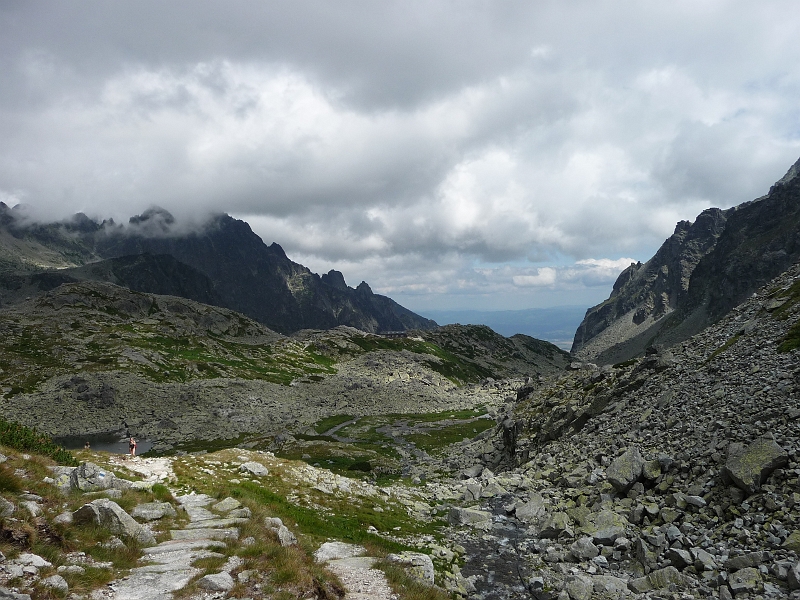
x,y
107,442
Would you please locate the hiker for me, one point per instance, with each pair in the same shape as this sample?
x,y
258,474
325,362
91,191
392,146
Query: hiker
x,y
86,446
132,446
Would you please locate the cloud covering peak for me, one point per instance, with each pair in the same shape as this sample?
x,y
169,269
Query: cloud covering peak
x,y
464,154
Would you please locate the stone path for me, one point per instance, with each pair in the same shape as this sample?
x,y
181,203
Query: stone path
x,y
355,571
169,565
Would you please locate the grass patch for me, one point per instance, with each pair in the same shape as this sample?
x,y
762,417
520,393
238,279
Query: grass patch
x,y
329,423
408,588
440,438
792,338
26,439
730,342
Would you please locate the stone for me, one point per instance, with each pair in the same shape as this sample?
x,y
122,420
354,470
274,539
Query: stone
x,y
416,564
745,581
109,514
218,582
55,582
7,594
472,472
584,549
651,470
609,586
6,508
625,470
680,558
751,559
605,526
555,525
254,468
793,576
579,587
240,513
34,508
749,466
152,511
793,542
336,550
32,560
472,492
228,504
659,579
65,518
114,543
703,561
285,537
468,516
88,477
71,570
531,511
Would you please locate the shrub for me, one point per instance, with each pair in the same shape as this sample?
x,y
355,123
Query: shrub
x,y
26,439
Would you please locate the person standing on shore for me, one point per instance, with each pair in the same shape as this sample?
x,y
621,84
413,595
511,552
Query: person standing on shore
x,y
132,446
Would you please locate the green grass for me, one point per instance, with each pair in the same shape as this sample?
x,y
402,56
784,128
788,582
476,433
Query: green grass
x,y
728,343
408,588
329,423
792,339
437,439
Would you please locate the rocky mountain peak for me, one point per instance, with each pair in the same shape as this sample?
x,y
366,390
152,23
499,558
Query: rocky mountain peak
x,y
700,272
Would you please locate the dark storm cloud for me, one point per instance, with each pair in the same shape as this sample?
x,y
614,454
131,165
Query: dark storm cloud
x,y
426,146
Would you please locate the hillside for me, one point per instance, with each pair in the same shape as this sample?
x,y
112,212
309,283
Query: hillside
x,y
222,263
697,276
91,357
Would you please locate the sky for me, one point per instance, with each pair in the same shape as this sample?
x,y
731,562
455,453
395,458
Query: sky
x,y
454,154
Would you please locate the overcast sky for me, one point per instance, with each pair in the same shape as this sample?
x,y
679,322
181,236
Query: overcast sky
x,y
461,154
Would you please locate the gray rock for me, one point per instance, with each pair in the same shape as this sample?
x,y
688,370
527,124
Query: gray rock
x,y
285,537
418,565
556,525
609,586
32,507
218,582
584,549
152,511
64,518
471,472
71,570
579,587
680,558
254,468
109,514
32,560
88,477
531,511
7,594
605,526
6,508
703,561
657,580
626,470
336,550
468,516
228,504
745,581
749,466
55,582
240,513
793,576
751,559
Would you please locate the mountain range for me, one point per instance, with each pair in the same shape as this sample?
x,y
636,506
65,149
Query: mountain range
x,y
223,263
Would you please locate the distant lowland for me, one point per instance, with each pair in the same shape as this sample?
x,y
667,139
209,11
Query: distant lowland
x,y
555,324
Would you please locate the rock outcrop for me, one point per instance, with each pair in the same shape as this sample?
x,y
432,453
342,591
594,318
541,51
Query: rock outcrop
x,y
698,275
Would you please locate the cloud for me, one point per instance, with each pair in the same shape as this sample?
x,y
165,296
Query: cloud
x,y
429,147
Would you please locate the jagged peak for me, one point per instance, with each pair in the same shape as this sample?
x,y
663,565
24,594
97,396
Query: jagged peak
x,y
793,172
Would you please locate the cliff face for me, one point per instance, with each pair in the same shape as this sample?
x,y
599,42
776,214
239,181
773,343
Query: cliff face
x,y
224,264
697,276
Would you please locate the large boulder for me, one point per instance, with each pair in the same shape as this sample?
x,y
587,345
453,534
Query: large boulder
x,y
531,511
665,578
626,470
468,516
218,582
254,468
6,508
416,564
745,581
605,526
152,511
556,525
88,477
749,466
109,514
